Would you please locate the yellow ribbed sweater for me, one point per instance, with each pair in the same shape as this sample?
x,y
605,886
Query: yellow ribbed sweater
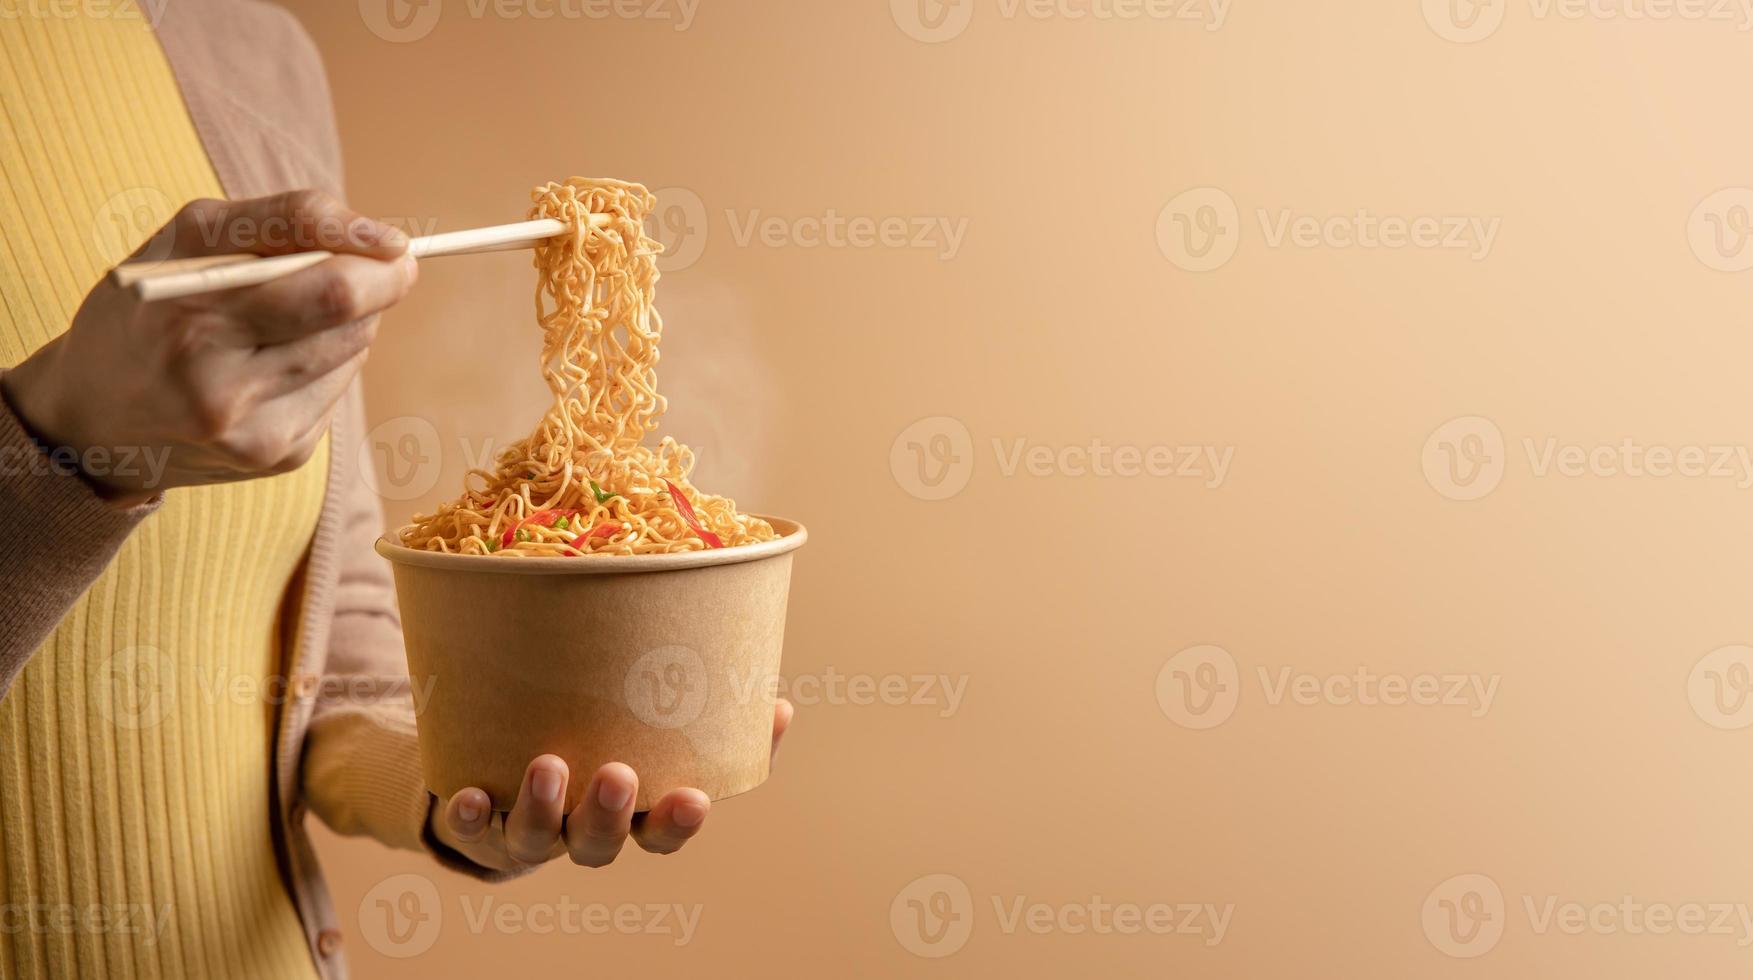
x,y
135,746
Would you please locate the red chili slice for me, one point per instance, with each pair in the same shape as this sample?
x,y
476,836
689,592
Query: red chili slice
x,y
687,511
537,518
604,530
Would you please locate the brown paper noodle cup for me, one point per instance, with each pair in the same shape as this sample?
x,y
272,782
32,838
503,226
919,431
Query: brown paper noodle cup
x,y
667,663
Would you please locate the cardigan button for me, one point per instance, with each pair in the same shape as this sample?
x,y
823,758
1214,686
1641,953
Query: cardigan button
x,y
329,942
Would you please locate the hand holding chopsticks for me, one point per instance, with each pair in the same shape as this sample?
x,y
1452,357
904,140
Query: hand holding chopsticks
x,y
234,385
173,278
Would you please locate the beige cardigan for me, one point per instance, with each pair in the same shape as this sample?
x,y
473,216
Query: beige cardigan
x,y
254,86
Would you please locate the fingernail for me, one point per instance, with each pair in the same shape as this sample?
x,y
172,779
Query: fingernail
x,y
614,795
546,784
470,812
690,813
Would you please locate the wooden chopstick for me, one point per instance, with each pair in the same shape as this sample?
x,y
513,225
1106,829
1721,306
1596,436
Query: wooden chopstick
x,y
172,278
129,273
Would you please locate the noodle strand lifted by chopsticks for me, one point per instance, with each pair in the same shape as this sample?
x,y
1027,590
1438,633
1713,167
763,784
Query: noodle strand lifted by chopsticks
x,y
584,482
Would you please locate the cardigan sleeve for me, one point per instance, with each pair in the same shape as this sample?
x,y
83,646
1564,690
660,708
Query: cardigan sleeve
x,y
361,770
56,537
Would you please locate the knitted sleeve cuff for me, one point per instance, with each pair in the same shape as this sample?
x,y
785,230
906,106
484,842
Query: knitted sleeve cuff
x,y
56,537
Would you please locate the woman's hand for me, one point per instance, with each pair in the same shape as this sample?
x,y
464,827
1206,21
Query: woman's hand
x,y
221,386
536,831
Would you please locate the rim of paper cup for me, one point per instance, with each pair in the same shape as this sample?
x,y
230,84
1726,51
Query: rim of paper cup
x,y
792,535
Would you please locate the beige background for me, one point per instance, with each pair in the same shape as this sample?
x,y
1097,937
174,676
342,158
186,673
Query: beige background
x,y
1606,765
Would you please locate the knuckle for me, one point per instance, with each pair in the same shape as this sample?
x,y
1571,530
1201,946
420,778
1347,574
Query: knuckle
x,y
199,205
198,208
357,336
308,203
215,413
191,215
301,372
469,836
600,834
662,844
340,298
309,212
185,227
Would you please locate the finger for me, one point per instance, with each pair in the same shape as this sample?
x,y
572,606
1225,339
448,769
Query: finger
x,y
598,826
532,832
342,290
782,715
672,822
313,403
299,451
296,221
468,815
282,433
468,825
281,369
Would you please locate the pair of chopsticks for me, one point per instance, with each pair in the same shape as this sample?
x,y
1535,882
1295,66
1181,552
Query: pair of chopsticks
x,y
173,278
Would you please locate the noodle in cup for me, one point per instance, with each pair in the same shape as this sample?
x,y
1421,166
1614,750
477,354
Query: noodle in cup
x,y
582,597
664,662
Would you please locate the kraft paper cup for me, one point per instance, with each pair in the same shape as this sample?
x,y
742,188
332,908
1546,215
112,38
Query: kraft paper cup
x,y
664,662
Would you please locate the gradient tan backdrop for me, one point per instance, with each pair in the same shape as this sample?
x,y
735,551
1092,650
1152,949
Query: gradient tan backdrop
x,y
1278,472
